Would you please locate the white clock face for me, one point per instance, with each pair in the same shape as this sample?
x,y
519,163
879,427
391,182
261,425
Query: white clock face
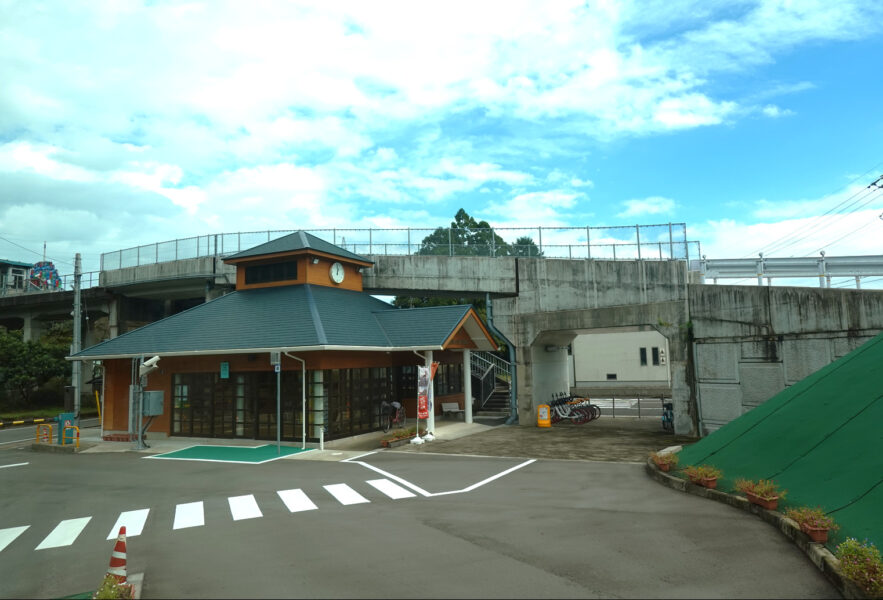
x,y
337,272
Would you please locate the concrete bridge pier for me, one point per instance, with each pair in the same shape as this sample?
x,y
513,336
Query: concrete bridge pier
x,y
541,341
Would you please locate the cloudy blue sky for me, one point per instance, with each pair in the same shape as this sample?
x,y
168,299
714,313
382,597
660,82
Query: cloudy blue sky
x,y
756,123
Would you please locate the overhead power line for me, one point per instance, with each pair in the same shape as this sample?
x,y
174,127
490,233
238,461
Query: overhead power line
x,y
814,222
40,254
852,204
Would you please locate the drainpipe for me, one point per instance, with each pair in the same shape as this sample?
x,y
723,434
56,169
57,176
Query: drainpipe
x,y
513,396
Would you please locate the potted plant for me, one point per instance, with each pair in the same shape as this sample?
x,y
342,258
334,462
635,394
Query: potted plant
x,y
665,461
763,492
704,475
861,563
813,522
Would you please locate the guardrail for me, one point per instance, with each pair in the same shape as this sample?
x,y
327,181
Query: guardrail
x,y
650,242
823,267
8,287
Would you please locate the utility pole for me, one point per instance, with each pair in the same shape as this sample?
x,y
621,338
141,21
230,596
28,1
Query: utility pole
x,y
77,344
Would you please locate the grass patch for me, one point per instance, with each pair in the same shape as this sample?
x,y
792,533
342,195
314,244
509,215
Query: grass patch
x,y
42,413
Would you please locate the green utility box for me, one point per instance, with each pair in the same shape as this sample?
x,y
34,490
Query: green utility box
x,y
65,419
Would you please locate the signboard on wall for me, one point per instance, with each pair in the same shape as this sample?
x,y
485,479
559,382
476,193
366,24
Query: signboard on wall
x,y
225,370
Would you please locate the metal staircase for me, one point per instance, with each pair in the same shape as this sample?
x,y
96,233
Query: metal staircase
x,y
491,384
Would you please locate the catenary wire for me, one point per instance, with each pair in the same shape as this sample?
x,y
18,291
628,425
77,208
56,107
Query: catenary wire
x,y
814,222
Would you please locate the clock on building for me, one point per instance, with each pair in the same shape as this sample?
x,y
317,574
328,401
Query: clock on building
x,y
336,272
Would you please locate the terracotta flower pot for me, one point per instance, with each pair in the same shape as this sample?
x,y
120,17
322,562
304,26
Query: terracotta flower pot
x,y
767,503
709,482
664,467
816,534
695,479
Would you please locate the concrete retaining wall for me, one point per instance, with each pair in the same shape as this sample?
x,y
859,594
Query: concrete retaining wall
x,y
750,343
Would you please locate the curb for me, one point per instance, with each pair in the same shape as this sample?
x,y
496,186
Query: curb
x,y
820,556
57,448
28,421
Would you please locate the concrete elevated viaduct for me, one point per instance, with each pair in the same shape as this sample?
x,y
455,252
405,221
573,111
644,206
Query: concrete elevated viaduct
x,y
729,347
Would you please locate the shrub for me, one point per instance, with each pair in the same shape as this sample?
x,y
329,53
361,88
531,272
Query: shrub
x,y
812,517
762,488
862,564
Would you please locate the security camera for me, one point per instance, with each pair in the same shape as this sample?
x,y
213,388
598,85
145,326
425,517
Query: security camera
x,y
148,366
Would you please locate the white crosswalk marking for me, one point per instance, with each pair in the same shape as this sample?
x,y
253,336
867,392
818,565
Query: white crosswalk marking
x,y
244,507
391,489
189,515
7,536
296,500
133,520
345,494
64,534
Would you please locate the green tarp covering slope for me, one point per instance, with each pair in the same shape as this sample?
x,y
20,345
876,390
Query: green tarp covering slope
x,y
821,440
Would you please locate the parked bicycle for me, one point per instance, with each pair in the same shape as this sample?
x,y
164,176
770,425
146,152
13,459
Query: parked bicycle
x,y
392,414
578,410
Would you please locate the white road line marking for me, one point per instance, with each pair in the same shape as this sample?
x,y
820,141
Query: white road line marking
x,y
189,515
30,439
7,536
390,489
296,500
64,534
396,478
15,465
244,507
345,494
133,520
488,480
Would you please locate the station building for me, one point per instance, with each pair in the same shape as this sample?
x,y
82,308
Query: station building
x,y
298,298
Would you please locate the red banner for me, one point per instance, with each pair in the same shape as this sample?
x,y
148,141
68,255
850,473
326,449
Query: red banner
x,y
422,407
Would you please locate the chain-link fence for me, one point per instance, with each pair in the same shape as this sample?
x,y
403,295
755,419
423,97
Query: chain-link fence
x,y
645,242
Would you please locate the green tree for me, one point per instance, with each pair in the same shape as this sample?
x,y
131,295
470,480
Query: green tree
x,y
525,246
24,366
465,237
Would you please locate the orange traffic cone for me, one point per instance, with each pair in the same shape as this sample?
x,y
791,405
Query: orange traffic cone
x,y
117,568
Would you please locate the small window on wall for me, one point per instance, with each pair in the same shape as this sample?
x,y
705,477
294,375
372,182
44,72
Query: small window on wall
x,y
611,376
656,357
643,357
281,271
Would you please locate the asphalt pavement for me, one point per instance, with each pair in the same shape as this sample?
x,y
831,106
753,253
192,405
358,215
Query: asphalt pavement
x,y
483,519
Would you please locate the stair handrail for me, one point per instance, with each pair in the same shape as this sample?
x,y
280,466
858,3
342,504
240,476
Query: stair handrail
x,y
481,360
486,386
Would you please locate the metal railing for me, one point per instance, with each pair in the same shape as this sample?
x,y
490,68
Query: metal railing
x,y
639,408
486,385
26,286
799,267
643,242
481,361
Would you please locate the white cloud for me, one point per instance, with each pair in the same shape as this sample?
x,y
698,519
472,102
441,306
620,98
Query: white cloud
x,y
547,208
654,205
771,110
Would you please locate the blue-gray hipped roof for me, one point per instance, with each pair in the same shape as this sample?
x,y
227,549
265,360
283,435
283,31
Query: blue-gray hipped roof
x,y
297,317
299,240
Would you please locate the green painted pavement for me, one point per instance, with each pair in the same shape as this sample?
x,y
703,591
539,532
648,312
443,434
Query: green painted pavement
x,y
240,454
820,439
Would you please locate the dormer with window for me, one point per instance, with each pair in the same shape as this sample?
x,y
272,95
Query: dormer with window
x,y
296,259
